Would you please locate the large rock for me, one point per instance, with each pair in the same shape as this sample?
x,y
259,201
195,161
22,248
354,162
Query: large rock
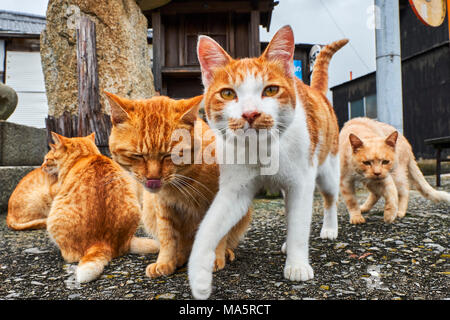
x,y
8,101
122,51
21,145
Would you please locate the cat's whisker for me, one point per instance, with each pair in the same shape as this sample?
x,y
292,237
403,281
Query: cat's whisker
x,y
185,191
174,184
190,186
194,180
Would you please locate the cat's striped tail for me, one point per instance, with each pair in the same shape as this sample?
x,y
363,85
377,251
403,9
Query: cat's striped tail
x,y
423,186
93,262
319,77
30,225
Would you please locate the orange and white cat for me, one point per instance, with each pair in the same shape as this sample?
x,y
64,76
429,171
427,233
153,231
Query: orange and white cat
x,y
178,194
264,96
382,159
96,211
30,202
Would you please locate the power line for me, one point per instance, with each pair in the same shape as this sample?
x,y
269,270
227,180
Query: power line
x,y
343,34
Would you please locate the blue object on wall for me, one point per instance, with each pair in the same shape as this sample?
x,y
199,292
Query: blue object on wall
x,y
298,69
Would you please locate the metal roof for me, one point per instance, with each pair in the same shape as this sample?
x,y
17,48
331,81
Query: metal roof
x,y
21,23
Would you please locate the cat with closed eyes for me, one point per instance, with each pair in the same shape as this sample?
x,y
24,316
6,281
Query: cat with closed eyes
x,y
177,194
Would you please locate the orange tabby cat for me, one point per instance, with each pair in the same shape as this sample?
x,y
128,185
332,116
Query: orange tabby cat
x,y
96,210
177,195
377,155
30,202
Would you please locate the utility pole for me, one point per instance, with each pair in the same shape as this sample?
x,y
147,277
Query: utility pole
x,y
389,64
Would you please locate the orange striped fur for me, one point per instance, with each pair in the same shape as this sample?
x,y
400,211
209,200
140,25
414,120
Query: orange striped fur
x,y
140,142
30,202
319,79
376,154
96,211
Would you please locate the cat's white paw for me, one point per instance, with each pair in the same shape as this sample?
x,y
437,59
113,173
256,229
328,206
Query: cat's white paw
x,y
329,233
284,248
88,271
201,284
298,271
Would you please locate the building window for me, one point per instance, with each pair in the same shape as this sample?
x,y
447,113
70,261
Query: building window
x,y
365,107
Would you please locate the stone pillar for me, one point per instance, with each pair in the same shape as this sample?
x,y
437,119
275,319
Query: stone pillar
x,y
122,52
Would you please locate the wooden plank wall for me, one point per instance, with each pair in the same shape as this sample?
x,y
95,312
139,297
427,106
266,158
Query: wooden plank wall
x,y
90,117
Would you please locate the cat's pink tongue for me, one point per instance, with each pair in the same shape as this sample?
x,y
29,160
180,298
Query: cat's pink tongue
x,y
153,183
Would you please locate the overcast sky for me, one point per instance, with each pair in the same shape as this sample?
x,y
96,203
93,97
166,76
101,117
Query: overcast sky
x,y
313,21
325,21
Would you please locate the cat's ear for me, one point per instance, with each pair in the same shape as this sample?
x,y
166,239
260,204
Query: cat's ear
x,y
92,136
118,113
355,142
281,48
391,140
52,146
211,56
191,115
57,139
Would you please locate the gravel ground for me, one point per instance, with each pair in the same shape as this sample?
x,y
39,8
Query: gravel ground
x,y
403,261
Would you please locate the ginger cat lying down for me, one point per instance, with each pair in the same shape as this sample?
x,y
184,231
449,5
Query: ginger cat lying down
x,y
177,196
30,202
96,210
382,159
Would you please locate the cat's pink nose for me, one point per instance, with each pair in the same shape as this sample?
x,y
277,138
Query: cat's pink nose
x,y
251,116
153,183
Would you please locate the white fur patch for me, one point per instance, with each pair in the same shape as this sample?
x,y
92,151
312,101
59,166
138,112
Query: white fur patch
x,y
249,98
89,271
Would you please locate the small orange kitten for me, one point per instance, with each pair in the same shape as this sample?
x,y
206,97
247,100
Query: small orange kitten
x,y
96,211
30,202
377,155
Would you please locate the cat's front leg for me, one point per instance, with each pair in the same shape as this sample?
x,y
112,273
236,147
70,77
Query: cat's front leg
x,y
299,201
168,237
348,193
371,200
228,207
391,200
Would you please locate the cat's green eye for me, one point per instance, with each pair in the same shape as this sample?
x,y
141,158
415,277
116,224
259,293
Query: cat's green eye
x,y
228,94
270,91
385,162
367,163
